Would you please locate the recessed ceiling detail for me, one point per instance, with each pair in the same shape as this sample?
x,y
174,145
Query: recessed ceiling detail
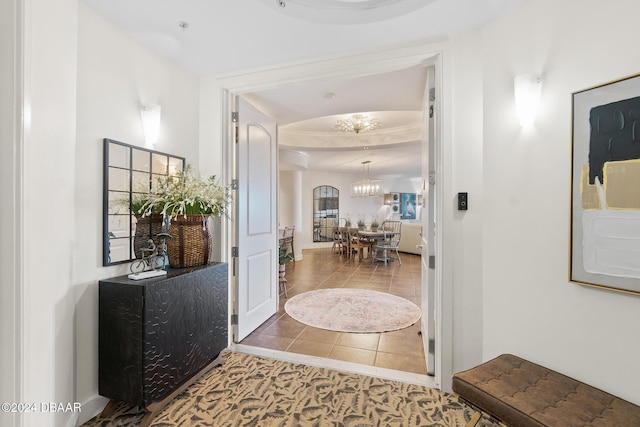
x,y
346,11
401,127
344,4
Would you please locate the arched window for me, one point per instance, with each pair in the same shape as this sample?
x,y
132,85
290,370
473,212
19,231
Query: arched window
x,y
326,203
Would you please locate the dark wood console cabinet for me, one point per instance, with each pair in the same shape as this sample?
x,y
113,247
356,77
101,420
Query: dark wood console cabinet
x,y
156,335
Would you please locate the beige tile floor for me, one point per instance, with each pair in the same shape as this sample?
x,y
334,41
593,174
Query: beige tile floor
x,y
321,268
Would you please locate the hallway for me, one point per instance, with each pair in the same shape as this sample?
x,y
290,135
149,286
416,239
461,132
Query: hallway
x,y
321,268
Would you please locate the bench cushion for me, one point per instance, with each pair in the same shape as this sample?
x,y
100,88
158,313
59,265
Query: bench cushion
x,y
522,394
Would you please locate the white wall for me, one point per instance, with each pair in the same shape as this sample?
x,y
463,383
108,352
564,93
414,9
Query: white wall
x,y
289,204
289,198
465,233
530,307
210,153
115,76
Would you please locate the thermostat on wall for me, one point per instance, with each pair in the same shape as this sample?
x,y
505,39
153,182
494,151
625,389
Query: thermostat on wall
x,y
463,202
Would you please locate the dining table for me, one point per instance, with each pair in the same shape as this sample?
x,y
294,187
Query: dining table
x,y
346,233
371,234
377,236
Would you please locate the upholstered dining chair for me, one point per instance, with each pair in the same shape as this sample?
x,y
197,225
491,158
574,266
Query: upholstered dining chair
x,y
389,242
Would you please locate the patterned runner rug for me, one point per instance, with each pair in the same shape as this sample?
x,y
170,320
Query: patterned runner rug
x,y
353,310
254,391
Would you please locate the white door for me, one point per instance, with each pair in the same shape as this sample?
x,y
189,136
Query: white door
x,y
256,224
429,227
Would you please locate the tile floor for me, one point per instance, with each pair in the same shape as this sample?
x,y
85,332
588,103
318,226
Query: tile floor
x,y
321,268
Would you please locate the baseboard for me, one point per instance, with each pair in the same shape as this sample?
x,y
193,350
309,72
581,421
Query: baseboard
x,y
429,347
90,408
73,420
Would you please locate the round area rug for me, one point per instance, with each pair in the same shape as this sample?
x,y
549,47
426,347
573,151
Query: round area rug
x,y
352,310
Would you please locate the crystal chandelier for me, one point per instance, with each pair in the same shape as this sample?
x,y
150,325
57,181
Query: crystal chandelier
x,y
357,123
366,187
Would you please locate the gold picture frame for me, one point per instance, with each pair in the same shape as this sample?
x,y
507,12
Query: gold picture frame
x,y
605,186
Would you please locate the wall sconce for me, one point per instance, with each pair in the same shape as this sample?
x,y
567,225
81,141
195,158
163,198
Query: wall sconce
x,y
150,123
527,89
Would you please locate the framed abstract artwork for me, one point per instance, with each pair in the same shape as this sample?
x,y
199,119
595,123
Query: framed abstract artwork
x,y
605,186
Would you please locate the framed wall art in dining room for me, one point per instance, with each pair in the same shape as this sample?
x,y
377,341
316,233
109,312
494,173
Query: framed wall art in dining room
x,y
605,186
408,205
395,204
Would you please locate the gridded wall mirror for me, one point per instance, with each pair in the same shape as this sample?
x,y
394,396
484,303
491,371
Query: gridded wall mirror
x,y
129,173
326,204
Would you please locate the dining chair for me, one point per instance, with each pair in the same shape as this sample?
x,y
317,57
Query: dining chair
x,y
350,234
338,243
371,245
358,244
389,242
287,239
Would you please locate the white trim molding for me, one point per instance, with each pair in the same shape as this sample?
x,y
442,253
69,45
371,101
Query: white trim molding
x,y
355,65
11,159
428,53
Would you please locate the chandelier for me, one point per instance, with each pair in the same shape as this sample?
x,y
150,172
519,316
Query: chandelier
x,y
366,187
357,123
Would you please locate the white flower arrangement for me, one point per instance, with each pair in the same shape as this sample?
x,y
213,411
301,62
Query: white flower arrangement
x,y
187,194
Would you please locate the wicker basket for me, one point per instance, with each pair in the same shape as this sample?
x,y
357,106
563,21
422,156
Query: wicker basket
x,y
191,241
147,227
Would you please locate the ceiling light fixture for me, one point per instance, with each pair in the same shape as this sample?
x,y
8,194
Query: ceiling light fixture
x,y
357,123
366,187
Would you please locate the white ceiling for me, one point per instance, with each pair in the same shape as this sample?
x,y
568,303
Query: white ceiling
x,y
226,37
395,91
305,118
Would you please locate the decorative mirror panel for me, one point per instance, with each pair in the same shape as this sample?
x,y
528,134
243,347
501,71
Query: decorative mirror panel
x,y
129,173
326,204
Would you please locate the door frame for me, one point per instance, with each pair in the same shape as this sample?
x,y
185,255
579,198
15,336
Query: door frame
x,y
427,237
12,171
359,65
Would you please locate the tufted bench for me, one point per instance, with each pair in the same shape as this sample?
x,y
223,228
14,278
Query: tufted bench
x,y
522,394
